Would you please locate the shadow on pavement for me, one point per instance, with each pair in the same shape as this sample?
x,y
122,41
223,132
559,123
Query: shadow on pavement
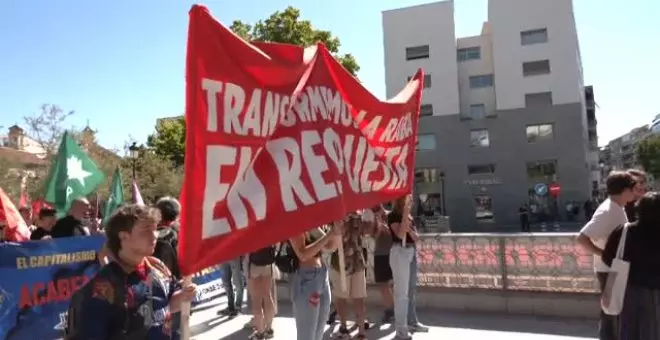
x,y
576,327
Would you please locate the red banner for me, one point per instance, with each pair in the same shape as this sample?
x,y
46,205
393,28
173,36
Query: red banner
x,y
15,229
281,139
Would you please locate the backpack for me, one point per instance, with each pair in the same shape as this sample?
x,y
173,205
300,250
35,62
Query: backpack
x,y
166,246
286,259
263,257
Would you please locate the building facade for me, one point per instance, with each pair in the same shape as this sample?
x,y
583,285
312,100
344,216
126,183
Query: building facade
x,y
504,113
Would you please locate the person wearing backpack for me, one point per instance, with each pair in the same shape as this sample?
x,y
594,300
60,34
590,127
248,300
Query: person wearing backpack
x,y
168,234
135,295
261,271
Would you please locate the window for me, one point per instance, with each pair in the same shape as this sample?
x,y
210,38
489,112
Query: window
x,y
483,208
534,68
479,138
427,175
426,110
481,169
470,53
429,205
425,142
541,99
427,80
481,81
542,170
537,36
477,111
538,133
417,52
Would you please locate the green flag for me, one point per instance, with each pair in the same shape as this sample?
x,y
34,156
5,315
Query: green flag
x,y
72,175
116,197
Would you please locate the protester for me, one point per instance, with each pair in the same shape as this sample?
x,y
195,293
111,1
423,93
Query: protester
x,y
310,285
594,234
640,316
134,296
401,257
45,224
72,224
356,280
382,269
640,189
233,282
168,234
261,271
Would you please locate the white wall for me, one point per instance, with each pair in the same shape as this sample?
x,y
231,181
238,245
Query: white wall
x,y
433,25
507,19
469,68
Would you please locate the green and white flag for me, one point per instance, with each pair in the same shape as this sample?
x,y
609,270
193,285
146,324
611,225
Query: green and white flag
x,y
116,197
72,175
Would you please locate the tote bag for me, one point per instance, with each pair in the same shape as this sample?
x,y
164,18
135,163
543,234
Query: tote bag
x,y
617,279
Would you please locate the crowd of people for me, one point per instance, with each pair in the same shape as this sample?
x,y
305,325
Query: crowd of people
x,y
137,293
317,286
633,211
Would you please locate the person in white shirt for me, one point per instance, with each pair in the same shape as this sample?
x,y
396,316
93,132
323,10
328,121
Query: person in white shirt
x,y
593,236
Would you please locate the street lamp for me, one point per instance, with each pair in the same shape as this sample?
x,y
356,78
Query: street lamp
x,y
133,153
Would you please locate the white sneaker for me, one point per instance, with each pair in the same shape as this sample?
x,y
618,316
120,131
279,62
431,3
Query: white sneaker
x,y
418,328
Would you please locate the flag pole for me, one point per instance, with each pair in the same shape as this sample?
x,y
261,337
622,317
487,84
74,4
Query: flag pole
x,y
185,311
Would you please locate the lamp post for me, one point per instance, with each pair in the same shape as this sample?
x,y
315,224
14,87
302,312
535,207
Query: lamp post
x,y
133,153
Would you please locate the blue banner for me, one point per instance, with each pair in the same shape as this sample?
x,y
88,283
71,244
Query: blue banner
x,y
37,279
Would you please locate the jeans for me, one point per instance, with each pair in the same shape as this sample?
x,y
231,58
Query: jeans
x,y
310,295
412,292
233,280
608,325
401,262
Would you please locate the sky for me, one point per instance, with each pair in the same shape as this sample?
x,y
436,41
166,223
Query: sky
x,y
120,64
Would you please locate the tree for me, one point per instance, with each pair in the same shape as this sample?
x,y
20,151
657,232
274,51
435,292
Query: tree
x,y
287,27
169,141
648,154
281,27
155,175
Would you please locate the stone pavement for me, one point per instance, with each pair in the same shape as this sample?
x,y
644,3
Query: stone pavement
x,y
207,325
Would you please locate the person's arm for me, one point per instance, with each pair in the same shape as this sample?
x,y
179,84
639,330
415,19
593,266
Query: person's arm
x,y
178,295
306,252
597,228
612,244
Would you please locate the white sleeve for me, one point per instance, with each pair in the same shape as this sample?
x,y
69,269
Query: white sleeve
x,y
600,226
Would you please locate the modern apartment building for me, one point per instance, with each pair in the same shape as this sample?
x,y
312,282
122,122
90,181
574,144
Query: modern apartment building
x,y
620,154
504,113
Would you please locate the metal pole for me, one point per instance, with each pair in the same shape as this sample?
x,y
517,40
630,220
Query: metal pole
x,y
134,168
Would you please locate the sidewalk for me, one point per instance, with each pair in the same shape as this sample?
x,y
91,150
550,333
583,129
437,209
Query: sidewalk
x,y
207,325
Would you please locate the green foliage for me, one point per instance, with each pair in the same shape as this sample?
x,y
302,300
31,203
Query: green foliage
x,y
648,154
169,141
10,179
287,27
155,175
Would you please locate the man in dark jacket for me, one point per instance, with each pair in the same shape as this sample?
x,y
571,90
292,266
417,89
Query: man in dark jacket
x,y
168,234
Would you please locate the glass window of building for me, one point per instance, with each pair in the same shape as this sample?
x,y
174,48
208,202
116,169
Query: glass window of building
x,y
535,36
417,52
542,171
469,53
426,142
479,138
484,208
481,169
539,133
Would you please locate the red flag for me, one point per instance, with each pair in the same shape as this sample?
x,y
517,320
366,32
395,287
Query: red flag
x,y
281,139
15,228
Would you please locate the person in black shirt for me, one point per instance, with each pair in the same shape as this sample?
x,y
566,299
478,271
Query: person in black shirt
x,y
523,213
640,316
639,190
45,224
404,267
72,225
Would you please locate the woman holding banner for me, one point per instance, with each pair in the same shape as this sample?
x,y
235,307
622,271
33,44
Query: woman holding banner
x,y
310,285
401,259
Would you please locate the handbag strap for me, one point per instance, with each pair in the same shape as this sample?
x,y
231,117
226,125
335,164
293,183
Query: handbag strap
x,y
620,249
